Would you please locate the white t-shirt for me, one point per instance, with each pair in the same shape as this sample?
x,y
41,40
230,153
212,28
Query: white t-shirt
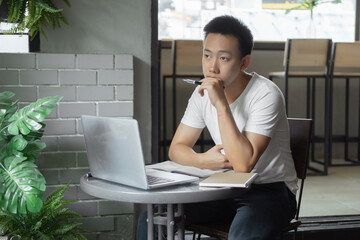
x,y
259,109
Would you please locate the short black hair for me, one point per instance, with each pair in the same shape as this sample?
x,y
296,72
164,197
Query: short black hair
x,y
229,25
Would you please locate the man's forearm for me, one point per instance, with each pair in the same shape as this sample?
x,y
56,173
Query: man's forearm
x,y
237,147
185,155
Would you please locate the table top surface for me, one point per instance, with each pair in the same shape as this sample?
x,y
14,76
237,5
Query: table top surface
x,y
184,193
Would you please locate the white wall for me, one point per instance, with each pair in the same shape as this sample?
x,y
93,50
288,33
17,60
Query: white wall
x,y
111,27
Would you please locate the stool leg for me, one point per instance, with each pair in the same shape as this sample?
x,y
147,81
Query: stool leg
x,y
164,120
308,97
313,99
286,94
346,145
160,227
181,225
358,157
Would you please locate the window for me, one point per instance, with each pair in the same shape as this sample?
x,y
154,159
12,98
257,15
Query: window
x,y
266,18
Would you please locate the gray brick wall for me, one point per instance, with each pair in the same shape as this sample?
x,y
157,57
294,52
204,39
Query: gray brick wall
x,y
91,84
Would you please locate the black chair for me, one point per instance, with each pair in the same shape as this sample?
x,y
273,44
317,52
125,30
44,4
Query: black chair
x,y
300,132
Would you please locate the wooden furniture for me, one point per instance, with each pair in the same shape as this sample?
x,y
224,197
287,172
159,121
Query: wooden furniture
x,y
309,59
186,63
304,58
300,132
345,64
172,197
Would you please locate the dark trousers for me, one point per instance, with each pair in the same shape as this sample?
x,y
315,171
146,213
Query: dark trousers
x,y
261,213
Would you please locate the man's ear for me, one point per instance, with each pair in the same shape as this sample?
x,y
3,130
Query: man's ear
x,y
245,62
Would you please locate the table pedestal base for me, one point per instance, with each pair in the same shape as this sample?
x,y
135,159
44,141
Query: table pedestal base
x,y
168,218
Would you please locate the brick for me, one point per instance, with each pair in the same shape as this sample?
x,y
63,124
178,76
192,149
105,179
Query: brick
x,y
71,143
98,223
68,93
22,93
77,77
82,160
17,60
124,61
95,93
84,196
114,207
116,77
95,61
56,160
120,109
69,194
58,60
38,77
90,236
9,77
79,127
51,176
124,226
59,127
51,143
124,92
126,234
76,109
85,209
72,175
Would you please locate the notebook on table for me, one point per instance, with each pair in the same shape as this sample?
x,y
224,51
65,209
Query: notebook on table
x,y
229,179
115,154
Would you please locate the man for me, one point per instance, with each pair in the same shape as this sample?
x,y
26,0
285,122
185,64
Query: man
x,y
245,115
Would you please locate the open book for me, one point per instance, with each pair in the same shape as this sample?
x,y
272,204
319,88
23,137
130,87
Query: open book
x,y
229,179
170,166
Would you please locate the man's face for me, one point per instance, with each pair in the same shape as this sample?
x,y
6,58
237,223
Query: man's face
x,y
221,58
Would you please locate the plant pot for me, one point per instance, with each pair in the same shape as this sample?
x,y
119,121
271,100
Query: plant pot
x,y
4,11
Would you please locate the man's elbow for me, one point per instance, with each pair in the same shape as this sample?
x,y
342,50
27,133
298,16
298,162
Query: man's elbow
x,y
172,151
243,169
244,166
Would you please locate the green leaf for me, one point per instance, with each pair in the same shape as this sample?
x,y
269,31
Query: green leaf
x,y
66,228
6,95
21,120
17,143
24,183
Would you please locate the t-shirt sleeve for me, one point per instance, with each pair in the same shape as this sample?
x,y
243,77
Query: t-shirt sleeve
x,y
265,113
193,113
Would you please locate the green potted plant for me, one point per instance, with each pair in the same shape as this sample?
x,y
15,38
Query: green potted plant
x,y
310,5
22,211
33,15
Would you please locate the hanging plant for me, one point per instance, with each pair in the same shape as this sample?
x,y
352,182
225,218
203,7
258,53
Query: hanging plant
x,y
33,15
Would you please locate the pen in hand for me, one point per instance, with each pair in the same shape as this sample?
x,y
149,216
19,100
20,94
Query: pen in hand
x,y
192,81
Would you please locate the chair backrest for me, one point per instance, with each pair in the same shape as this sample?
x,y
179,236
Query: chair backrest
x,y
300,134
307,52
346,54
187,54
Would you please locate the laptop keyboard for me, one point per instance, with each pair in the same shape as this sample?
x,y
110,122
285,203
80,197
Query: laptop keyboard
x,y
156,180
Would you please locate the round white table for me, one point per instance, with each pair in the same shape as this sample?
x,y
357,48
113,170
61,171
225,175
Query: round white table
x,y
170,196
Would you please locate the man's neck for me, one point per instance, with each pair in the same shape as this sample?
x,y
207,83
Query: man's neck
x,y
233,91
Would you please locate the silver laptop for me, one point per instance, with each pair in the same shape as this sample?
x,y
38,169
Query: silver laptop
x,y
115,154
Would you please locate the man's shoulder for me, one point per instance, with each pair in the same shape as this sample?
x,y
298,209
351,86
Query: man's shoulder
x,y
262,83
